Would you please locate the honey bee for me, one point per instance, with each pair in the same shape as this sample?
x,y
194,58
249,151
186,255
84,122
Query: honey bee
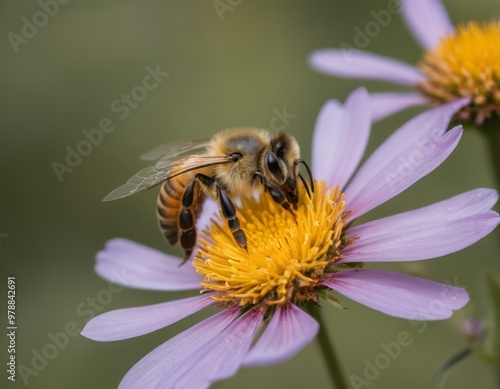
x,y
230,164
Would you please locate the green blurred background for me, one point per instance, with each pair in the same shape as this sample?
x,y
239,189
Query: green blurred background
x,y
224,71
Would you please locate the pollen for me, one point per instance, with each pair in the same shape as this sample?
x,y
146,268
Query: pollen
x,y
466,64
287,255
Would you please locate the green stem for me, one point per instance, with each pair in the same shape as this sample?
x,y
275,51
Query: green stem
x,y
494,287
328,351
491,129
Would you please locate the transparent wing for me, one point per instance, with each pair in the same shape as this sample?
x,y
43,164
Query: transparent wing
x,y
154,175
174,150
142,180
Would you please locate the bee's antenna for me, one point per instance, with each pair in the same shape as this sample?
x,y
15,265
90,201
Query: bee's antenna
x,y
302,162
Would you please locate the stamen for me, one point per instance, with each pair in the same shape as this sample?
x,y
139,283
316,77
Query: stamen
x,y
286,257
466,64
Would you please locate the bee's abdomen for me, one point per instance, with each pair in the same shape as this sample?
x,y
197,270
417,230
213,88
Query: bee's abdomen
x,y
173,223
169,206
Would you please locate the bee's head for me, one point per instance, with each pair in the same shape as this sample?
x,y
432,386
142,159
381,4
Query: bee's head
x,y
278,161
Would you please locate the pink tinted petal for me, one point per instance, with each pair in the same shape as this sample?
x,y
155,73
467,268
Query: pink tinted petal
x,y
340,138
417,240
146,373
399,295
428,20
410,153
363,64
131,322
428,232
288,332
219,358
210,210
325,137
385,104
137,266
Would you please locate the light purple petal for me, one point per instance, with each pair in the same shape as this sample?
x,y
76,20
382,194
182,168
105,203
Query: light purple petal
x,y
340,138
210,211
399,295
428,20
131,322
363,64
385,104
409,154
288,332
134,265
327,127
416,237
146,373
429,232
221,357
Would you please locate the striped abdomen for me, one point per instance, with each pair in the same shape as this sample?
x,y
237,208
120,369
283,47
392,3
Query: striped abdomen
x,y
169,207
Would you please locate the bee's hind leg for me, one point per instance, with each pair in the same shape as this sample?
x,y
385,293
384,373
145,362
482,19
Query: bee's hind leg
x,y
187,219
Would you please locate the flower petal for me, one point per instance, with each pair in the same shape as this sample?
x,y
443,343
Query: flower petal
x,y
363,64
146,373
340,138
134,265
428,20
409,154
221,357
429,232
288,332
385,104
399,295
131,322
325,133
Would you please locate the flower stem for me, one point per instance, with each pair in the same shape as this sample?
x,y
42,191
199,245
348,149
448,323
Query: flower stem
x,y
327,349
491,129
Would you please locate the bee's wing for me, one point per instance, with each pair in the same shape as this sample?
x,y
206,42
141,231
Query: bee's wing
x,y
173,150
142,180
154,175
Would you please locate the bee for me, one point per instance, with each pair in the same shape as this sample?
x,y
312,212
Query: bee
x,y
229,165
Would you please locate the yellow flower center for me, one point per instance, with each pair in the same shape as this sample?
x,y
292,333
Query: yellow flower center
x,y
286,256
466,64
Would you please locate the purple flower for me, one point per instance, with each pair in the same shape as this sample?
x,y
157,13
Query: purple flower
x,y
461,62
292,264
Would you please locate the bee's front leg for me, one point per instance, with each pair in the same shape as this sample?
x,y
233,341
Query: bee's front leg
x,y
278,196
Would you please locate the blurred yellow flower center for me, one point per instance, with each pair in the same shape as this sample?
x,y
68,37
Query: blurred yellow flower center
x,y
466,64
286,256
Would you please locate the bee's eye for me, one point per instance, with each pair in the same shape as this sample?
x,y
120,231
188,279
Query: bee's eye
x,y
236,156
274,166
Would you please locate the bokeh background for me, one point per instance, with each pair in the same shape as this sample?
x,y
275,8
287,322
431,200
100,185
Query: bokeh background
x,y
228,70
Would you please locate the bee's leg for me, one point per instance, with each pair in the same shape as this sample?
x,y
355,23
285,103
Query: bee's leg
x,y
229,213
278,196
228,209
302,162
187,220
